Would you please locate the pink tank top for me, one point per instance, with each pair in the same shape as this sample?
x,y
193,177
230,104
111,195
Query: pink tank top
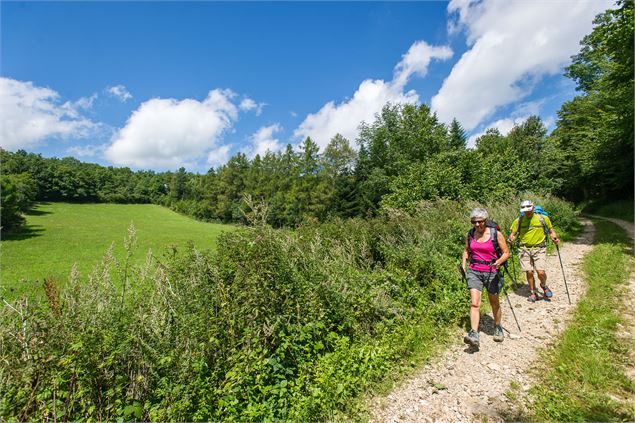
x,y
482,251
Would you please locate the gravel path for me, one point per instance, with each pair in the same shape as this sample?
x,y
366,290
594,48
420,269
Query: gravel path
x,y
464,385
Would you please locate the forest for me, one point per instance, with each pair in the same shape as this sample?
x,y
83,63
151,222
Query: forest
x,y
402,158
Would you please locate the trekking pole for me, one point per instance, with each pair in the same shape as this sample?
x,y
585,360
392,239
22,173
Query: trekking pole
x,y
512,308
463,276
507,295
563,276
509,274
514,257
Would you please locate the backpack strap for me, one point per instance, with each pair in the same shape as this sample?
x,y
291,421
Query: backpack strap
x,y
544,227
470,236
494,236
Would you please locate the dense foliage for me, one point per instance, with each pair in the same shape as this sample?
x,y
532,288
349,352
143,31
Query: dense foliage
x,y
593,142
276,325
406,156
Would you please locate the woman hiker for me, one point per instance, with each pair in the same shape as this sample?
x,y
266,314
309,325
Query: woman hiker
x,y
486,250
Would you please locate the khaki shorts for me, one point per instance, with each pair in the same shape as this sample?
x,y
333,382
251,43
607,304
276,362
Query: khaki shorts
x,y
532,258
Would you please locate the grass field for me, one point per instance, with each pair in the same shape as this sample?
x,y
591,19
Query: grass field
x,y
59,234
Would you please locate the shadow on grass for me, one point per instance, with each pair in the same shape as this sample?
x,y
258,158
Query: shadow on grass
x,y
35,211
611,233
25,232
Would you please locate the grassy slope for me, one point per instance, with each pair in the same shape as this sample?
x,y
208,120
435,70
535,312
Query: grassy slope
x,y
60,234
583,378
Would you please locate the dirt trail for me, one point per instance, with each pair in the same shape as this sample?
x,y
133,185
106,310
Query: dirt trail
x,y
627,226
465,385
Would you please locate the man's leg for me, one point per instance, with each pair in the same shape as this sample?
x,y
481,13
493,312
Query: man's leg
x,y
527,265
542,275
530,280
540,261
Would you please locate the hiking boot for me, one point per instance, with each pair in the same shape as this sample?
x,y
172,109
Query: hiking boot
x,y
547,292
498,333
471,338
532,297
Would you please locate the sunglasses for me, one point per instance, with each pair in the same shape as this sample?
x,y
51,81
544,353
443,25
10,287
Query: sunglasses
x,y
477,222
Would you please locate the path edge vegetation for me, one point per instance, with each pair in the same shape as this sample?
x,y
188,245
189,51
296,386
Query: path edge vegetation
x,y
583,376
273,325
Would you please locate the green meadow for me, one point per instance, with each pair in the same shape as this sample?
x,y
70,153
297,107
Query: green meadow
x,y
58,235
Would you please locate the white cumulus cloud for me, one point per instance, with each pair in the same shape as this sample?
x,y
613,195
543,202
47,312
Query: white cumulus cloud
x,y
31,114
513,44
263,140
169,133
86,150
371,95
249,104
120,92
519,115
417,60
218,156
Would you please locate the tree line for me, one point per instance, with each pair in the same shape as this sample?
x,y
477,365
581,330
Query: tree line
x,y
404,157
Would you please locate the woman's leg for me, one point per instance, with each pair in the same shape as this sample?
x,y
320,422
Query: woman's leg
x,y
494,301
475,308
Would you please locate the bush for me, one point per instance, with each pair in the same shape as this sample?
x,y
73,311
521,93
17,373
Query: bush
x,y
274,325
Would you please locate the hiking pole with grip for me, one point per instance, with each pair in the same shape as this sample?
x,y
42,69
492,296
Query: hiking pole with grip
x,y
507,296
514,258
563,276
463,276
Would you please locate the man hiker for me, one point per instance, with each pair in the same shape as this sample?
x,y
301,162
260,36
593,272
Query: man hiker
x,y
486,250
532,233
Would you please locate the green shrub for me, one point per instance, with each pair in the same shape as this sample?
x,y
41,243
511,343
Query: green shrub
x,y
274,325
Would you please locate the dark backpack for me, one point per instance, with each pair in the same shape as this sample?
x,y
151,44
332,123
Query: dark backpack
x,y
493,230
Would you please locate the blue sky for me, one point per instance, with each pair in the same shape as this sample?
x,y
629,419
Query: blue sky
x,y
159,85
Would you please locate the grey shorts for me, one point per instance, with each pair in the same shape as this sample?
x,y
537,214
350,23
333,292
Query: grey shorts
x,y
493,282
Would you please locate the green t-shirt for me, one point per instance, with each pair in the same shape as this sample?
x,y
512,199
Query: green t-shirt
x,y
531,231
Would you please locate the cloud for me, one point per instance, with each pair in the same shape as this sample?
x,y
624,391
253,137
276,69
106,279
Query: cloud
x,y
120,92
218,156
519,115
371,95
416,61
513,44
32,114
86,150
169,133
248,104
263,141
85,103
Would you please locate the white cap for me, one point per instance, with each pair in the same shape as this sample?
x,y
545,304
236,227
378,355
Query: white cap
x,y
526,205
